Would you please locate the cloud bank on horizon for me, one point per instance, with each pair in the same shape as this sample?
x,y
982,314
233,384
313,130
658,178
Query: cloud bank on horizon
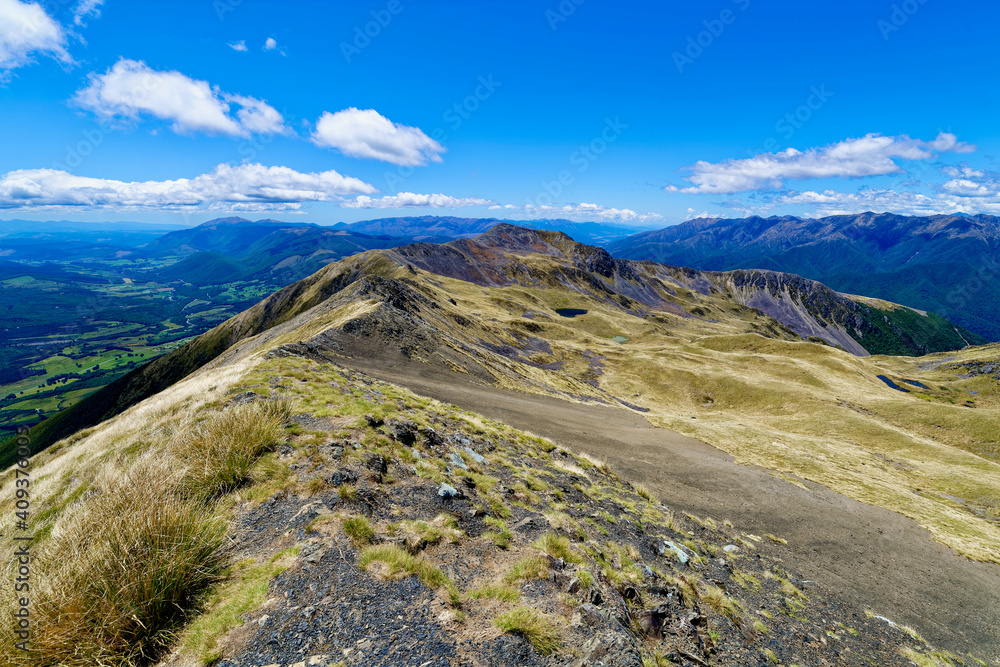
x,y
198,128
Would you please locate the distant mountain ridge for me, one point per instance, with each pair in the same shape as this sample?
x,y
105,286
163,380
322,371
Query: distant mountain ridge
x,y
228,249
288,251
948,264
425,227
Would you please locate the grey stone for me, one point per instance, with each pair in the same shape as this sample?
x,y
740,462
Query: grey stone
x,y
447,491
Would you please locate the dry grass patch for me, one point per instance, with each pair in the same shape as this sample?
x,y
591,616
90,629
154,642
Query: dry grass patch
x,y
116,578
528,567
221,450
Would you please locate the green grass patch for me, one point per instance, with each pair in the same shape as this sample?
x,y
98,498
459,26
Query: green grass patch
x,y
359,530
540,630
495,592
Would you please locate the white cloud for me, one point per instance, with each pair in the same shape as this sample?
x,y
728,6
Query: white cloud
x,y
257,116
25,29
86,9
582,212
871,155
246,186
270,44
238,46
832,202
955,197
131,89
962,171
368,134
692,214
413,200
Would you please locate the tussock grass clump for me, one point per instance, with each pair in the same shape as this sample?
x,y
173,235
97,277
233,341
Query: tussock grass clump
x,y
418,535
221,449
359,530
115,578
533,625
717,599
529,567
501,592
398,563
500,535
602,466
557,546
643,492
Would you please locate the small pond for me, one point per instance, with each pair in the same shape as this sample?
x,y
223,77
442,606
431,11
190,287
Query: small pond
x,y
892,384
621,340
570,312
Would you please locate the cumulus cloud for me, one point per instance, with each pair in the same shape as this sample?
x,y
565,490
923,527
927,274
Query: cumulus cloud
x,y
413,200
243,187
871,155
130,89
368,134
270,44
257,116
25,29
86,9
238,46
582,212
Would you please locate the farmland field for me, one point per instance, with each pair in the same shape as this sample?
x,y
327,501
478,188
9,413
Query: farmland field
x,y
70,328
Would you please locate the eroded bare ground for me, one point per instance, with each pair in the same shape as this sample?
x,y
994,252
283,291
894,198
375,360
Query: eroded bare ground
x,y
882,560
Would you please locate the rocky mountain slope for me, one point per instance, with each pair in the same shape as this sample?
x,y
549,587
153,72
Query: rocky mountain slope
x,y
368,526
946,264
372,492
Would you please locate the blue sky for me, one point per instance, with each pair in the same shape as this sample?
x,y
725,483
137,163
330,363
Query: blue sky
x,y
643,113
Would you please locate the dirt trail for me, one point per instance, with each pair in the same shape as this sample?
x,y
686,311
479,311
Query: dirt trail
x,y
872,556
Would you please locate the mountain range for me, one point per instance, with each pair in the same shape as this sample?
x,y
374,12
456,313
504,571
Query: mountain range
x,y
341,438
228,249
948,264
773,304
